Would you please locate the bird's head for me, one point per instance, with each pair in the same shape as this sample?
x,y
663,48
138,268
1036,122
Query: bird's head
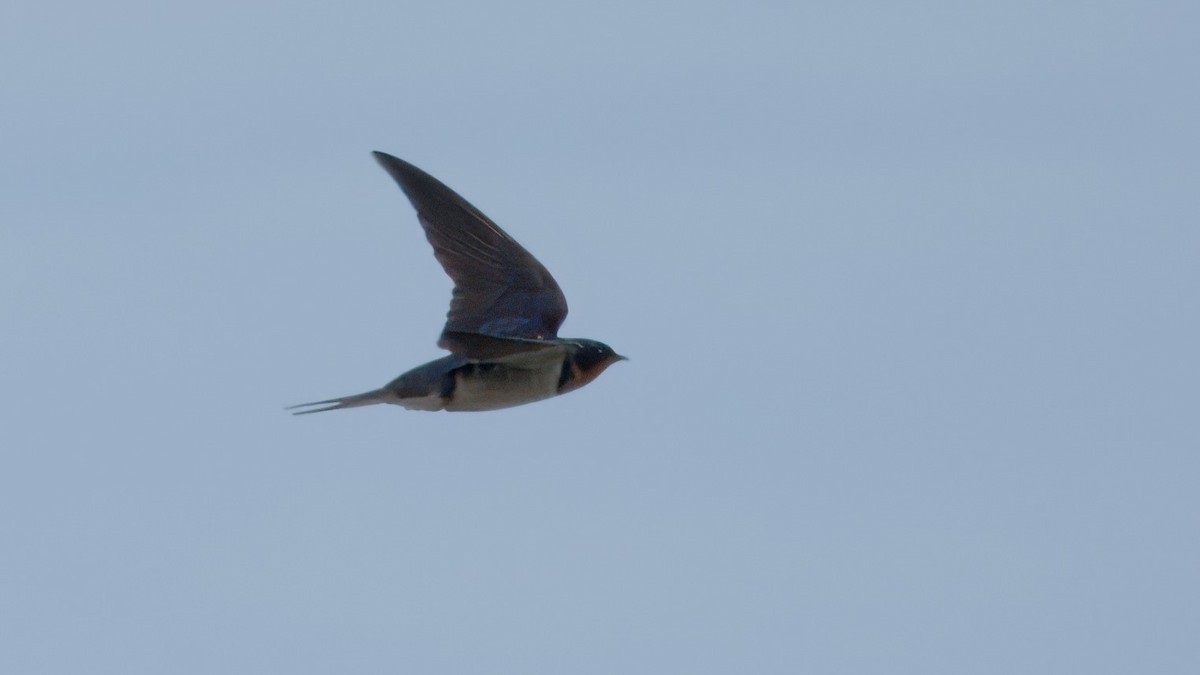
x,y
588,360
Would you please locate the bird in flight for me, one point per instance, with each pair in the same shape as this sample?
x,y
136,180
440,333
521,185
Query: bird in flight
x,y
502,327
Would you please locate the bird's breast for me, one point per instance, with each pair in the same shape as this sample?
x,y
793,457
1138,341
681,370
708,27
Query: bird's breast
x,y
491,386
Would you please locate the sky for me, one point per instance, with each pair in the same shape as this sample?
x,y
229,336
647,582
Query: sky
x,y
909,292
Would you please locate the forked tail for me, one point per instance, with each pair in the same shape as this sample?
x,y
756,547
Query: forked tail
x,y
369,398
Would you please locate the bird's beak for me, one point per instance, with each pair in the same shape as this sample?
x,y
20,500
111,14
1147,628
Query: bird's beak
x,y
622,358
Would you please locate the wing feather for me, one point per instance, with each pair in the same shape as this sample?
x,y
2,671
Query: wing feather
x,y
500,289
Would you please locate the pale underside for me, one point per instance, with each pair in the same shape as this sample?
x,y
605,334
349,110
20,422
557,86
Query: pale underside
x,y
502,383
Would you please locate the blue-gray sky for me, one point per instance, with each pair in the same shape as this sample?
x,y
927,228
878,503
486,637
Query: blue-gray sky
x,y
910,291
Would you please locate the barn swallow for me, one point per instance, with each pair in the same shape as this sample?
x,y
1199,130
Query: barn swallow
x,y
502,327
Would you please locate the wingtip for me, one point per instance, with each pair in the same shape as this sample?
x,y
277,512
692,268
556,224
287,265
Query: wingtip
x,y
401,171
385,160
389,161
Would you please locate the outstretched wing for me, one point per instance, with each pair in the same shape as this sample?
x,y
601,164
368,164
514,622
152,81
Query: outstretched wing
x,y
500,289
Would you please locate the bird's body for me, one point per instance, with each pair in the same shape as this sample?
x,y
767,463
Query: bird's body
x,y
503,321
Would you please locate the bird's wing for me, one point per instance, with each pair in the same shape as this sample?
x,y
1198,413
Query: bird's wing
x,y
500,289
